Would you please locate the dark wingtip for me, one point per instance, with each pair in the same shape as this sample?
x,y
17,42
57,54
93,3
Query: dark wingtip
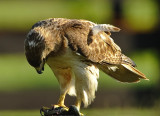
x,y
128,60
133,64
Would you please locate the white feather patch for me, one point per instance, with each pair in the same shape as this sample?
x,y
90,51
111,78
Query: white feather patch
x,y
85,98
103,37
113,68
87,82
104,27
32,43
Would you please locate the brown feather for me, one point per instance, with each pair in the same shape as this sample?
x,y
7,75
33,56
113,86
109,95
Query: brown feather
x,y
124,73
101,49
93,47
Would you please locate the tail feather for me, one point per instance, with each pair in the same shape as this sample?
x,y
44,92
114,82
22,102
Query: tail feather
x,y
135,71
123,72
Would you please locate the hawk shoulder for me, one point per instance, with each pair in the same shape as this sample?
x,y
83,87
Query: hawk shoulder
x,y
97,47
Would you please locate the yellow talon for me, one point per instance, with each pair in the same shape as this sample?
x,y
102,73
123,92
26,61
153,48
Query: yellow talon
x,y
63,106
81,114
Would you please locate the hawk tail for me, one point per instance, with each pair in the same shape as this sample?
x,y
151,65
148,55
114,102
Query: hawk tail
x,y
123,72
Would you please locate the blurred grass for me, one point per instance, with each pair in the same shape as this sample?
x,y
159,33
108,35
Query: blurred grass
x,y
22,14
93,112
147,61
18,75
141,12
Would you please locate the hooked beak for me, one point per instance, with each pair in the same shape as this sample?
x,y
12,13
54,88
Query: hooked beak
x,y
41,68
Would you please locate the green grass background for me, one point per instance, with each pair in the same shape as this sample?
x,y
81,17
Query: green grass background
x,y
18,75
18,15
93,112
22,14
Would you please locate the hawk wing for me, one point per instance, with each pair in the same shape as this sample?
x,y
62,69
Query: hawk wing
x,y
94,43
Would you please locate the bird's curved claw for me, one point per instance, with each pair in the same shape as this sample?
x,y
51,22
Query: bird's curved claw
x,y
60,106
82,114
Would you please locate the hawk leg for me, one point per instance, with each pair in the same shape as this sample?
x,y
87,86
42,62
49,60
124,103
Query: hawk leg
x,y
64,78
61,101
78,103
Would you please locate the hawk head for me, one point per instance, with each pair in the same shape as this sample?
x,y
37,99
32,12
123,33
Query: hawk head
x,y
34,49
39,44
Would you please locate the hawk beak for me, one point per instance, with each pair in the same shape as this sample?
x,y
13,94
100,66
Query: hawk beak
x,y
41,68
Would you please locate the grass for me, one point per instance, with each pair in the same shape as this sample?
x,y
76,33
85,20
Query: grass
x,y
21,14
18,75
20,113
92,112
122,112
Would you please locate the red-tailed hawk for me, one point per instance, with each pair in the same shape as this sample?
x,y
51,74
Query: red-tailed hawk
x,y
75,50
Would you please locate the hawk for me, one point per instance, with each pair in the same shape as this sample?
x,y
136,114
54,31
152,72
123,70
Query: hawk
x,y
76,50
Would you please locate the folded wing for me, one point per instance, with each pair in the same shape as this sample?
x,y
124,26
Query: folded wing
x,y
93,41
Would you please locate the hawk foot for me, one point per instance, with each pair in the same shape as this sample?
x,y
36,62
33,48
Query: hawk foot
x,y
60,111
61,106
